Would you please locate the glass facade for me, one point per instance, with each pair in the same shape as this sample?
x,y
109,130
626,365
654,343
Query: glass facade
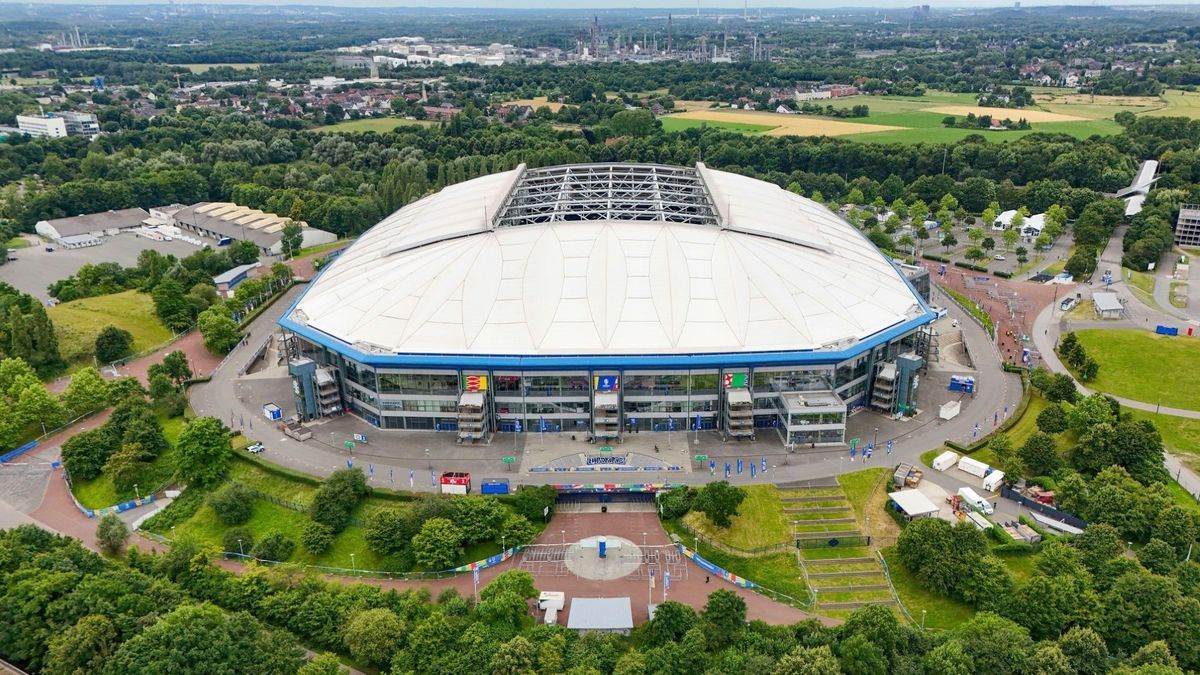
x,y
644,400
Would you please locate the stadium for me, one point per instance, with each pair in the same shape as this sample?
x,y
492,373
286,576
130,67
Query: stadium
x,y
609,299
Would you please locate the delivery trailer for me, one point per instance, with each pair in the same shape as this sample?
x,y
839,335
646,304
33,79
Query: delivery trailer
x,y
973,501
945,460
973,467
993,481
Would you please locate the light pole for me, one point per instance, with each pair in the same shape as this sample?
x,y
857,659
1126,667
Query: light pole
x,y
353,567
427,459
643,540
240,550
876,441
564,536
137,493
502,548
332,443
923,619
173,534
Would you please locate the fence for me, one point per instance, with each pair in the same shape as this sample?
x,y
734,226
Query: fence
x,y
739,552
887,574
1068,518
17,452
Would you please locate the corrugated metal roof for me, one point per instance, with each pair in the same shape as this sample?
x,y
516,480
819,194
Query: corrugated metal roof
x,y
600,614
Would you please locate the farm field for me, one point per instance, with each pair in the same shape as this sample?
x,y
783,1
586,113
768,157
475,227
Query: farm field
x,y
205,67
784,125
380,124
1031,115
676,123
79,322
537,102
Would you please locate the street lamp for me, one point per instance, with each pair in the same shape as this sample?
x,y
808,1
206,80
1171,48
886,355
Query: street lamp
x,y
564,536
241,551
876,441
137,493
502,549
922,619
172,532
643,540
427,458
353,568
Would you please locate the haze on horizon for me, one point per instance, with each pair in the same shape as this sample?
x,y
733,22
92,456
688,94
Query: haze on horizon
x,y
685,6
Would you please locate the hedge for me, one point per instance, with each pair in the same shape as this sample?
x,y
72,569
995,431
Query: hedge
x,y
937,258
1003,275
969,266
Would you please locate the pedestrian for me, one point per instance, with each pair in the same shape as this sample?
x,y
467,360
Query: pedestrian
x,y
706,578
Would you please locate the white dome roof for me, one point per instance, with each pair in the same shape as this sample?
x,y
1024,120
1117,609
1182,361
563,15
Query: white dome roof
x,y
608,259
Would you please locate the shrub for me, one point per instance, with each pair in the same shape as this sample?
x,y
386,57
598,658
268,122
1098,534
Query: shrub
x,y
515,530
275,546
232,503
676,503
237,540
113,343
316,538
1052,420
84,454
531,501
337,497
389,531
719,501
111,534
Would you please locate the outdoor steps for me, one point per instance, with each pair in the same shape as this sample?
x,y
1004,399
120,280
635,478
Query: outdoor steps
x,y
814,498
818,509
838,561
865,587
853,605
852,573
807,485
823,521
828,535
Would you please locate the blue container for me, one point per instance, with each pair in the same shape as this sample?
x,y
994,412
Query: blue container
x,y
494,487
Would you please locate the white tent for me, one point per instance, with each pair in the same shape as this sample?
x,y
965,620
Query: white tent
x,y
913,504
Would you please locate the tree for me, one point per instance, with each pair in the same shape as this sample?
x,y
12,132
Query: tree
x,y
1158,556
995,644
323,664
111,534
1082,263
232,503
725,612
1156,653
125,465
220,332
86,392
637,123
177,368
1052,419
719,501
1085,651
35,405
83,647
515,657
274,546
237,540
671,621
1176,526
438,545
1010,236
1040,454
533,502
976,235
373,636
171,306
203,452
113,343
337,497
1090,412
388,531
1048,659
975,254
949,240
479,518
316,538
1022,254
808,661
860,657
190,637
988,243
84,454
292,238
517,582
949,658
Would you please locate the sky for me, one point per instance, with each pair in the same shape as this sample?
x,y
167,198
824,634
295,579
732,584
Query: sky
x,y
712,6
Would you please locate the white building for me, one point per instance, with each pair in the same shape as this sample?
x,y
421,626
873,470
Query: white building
x,y
94,225
42,127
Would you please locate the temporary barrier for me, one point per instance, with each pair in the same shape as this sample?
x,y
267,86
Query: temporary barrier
x,y
17,452
717,571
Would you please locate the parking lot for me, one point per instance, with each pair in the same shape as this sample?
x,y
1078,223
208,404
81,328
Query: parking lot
x,y
36,268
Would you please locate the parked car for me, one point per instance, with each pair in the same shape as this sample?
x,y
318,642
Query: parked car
x,y
49,249
997,257
256,448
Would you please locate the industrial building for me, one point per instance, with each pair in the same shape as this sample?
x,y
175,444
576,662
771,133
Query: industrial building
x,y
92,226
60,124
608,299
1187,227
226,222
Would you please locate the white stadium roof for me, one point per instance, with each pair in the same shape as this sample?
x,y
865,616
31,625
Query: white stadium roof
x,y
608,258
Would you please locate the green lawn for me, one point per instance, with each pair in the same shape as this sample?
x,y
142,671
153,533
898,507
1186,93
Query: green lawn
x,y
779,571
78,322
858,487
1140,365
379,124
940,612
100,492
682,123
760,521
17,242
1178,288
941,134
322,248
1020,565
1180,435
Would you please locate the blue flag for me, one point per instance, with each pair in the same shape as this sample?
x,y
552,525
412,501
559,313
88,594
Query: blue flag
x,y
752,467
371,469
349,464
411,476
764,464
727,469
739,466
518,426
853,451
889,447
432,478
542,424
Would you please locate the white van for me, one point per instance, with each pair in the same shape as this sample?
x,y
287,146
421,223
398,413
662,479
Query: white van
x,y
974,501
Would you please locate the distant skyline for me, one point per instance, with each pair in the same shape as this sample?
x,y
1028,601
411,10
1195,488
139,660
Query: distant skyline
x,y
681,5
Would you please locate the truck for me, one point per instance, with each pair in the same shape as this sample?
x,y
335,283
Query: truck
x,y
973,501
993,481
973,467
945,460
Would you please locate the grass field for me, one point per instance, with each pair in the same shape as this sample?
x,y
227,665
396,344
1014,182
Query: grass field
x,y
78,322
322,248
17,242
205,67
100,491
778,572
760,521
379,124
858,487
676,123
940,612
1142,284
1140,365
537,102
1180,435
